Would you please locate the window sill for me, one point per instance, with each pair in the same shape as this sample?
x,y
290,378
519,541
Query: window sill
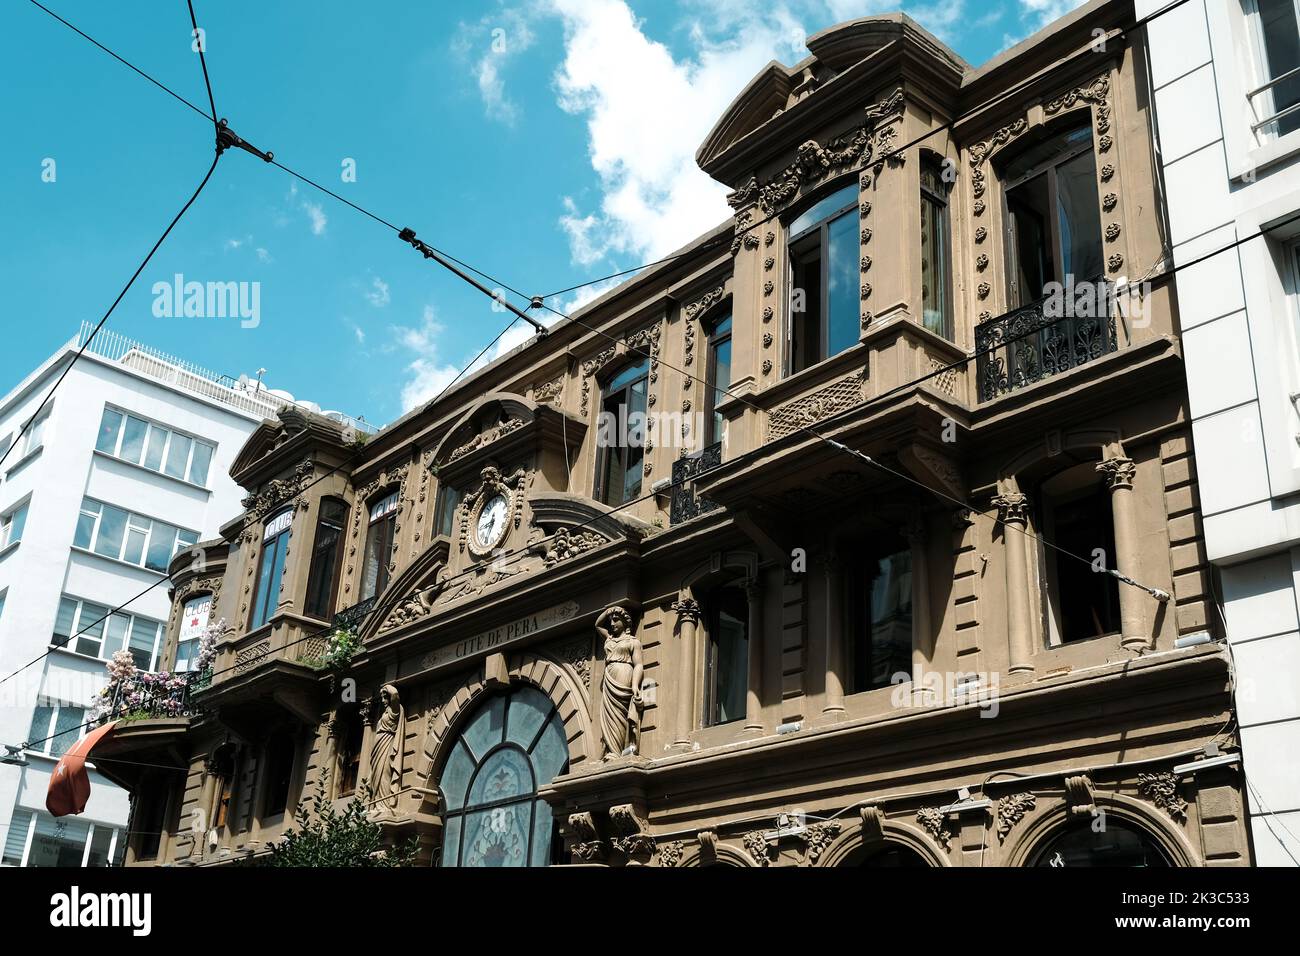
x,y
118,561
149,471
9,548
23,462
1269,154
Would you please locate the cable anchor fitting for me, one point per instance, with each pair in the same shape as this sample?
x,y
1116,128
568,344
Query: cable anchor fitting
x,y
227,137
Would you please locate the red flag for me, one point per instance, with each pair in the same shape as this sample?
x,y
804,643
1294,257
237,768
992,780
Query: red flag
x,y
70,783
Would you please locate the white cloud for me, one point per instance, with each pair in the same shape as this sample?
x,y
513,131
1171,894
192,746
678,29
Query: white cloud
x,y
1036,14
317,216
646,113
427,374
378,295
492,43
263,255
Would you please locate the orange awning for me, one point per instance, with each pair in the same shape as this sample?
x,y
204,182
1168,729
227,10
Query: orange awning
x,y
70,783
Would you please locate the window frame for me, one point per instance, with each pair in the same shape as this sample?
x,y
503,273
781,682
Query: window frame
x,y
1258,79
15,516
116,845
96,517
449,499
276,531
328,594
820,229
858,608
34,437
1049,168
945,220
164,453
81,620
44,736
387,518
710,716
713,427
605,455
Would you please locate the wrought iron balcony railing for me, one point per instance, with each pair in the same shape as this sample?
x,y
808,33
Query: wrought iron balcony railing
x,y
1034,342
143,695
685,503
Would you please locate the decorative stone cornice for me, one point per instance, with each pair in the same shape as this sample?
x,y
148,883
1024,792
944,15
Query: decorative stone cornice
x,y
1011,810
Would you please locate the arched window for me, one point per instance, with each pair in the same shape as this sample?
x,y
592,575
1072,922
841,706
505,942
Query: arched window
x,y
824,287
621,434
889,856
1117,844
275,545
512,744
379,545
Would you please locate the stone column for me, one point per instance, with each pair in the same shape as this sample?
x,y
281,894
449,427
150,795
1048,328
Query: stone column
x,y
688,616
1013,512
754,686
922,637
833,709
1119,472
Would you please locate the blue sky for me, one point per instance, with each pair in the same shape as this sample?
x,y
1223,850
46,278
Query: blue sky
x,y
547,142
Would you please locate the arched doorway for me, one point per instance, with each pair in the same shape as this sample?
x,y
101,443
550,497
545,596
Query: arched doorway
x,y
1119,844
512,744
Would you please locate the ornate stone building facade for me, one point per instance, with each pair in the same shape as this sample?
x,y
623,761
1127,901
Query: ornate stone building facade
x,y
845,608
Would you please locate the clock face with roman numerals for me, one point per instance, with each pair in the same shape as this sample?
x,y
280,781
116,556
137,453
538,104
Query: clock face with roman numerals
x,y
493,517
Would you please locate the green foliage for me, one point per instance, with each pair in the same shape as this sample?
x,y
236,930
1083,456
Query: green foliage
x,y
340,648
325,837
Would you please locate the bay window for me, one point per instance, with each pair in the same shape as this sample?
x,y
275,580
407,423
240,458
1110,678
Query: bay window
x,y
824,280
379,546
275,546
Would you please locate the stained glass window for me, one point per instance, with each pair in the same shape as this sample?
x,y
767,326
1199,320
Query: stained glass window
x,y
510,746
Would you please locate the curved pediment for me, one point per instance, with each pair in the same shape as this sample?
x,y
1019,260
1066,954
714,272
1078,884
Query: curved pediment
x,y
498,426
410,595
766,95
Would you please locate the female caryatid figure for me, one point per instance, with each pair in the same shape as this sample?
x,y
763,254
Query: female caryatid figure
x,y
384,777
620,691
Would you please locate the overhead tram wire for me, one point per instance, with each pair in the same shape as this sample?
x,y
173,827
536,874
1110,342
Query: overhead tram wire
x,y
696,251
537,301
409,236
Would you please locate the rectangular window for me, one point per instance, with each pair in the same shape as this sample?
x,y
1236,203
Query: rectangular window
x,y
936,313
719,376
146,443
379,546
275,545
1275,40
55,728
448,502
189,640
1082,603
34,440
3,594
727,661
824,280
279,774
879,600
326,558
1053,216
88,628
35,838
621,434
12,525
126,536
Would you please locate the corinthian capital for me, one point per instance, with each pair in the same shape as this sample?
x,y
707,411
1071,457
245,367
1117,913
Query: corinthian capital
x,y
1013,507
688,609
1119,472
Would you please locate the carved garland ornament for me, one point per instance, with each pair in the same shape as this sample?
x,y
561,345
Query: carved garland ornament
x,y
1161,788
275,492
935,822
1011,810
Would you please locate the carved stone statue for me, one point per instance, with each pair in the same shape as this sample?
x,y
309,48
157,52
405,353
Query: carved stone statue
x,y
384,774
620,691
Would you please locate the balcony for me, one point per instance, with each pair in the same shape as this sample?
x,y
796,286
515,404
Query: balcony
x,y
1036,342
685,503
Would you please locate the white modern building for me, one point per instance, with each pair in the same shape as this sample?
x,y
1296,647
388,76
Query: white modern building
x,y
127,465
1227,80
